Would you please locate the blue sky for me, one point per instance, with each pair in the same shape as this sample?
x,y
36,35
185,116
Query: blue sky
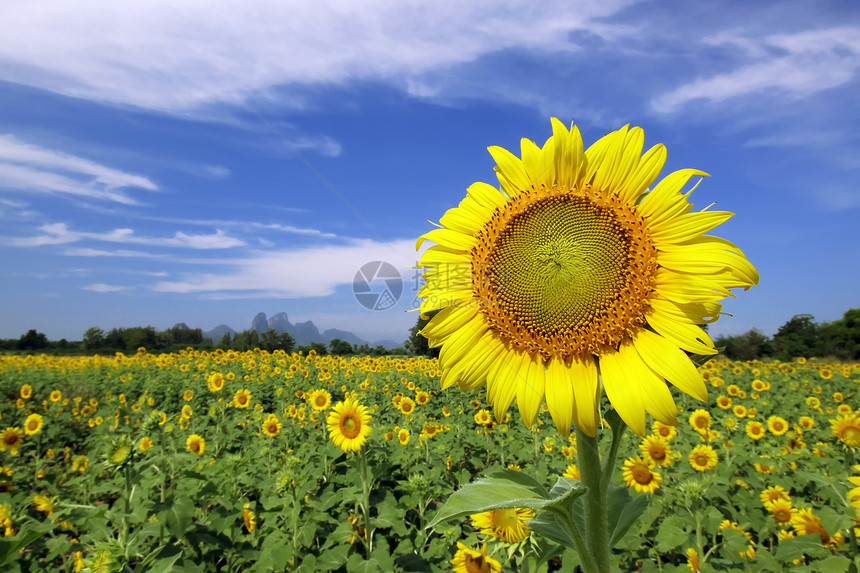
x,y
165,162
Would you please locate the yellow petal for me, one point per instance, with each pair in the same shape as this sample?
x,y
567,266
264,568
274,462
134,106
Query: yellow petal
x,y
645,174
447,238
603,158
624,392
486,195
586,389
688,337
687,226
559,395
665,200
448,321
668,361
530,389
569,156
461,341
510,169
505,380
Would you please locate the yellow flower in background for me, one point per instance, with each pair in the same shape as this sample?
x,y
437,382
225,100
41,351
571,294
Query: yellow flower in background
x,y
11,440
778,426
470,561
242,398
774,493
320,400
509,525
249,518
196,444
701,420
348,425
703,458
847,429
9,526
403,436
656,449
188,395
483,418
33,424
782,511
55,396
215,382
271,426
422,397
639,475
755,430
570,264
145,443
572,472
406,405
693,560
664,431
25,392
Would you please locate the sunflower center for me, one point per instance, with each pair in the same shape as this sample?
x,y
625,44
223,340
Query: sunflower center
x,y
701,460
657,453
564,272
350,427
641,475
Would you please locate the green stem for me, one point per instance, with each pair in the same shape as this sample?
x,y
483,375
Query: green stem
x,y
596,481
585,559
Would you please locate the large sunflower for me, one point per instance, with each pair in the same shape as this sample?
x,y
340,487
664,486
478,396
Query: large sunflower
x,y
573,274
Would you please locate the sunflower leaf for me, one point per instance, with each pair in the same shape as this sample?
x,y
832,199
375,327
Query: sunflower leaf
x,y
506,489
624,510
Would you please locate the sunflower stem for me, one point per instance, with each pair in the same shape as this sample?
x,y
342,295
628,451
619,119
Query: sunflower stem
x,y
587,563
596,480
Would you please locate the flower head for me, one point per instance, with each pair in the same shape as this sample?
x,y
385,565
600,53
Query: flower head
x,y
196,444
571,269
509,525
11,439
348,425
703,458
639,475
470,561
33,424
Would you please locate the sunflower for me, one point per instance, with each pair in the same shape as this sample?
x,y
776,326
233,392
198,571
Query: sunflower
x,y
43,503
663,430
249,518
145,443
656,449
778,426
759,385
25,392
782,511
570,265
33,424
806,422
772,494
572,472
271,426
701,420
740,411
703,458
348,425
755,430
406,405
403,436
196,444
640,475
422,397
693,560
483,418
187,411
826,373
750,550
470,561
215,382
847,429
805,522
724,402
55,396
509,525
11,439
242,398
320,400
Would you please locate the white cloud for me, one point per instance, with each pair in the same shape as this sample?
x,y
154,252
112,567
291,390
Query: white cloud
x,y
295,230
59,233
28,167
101,287
797,64
309,272
179,56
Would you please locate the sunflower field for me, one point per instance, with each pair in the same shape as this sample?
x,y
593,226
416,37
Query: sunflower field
x,y
257,461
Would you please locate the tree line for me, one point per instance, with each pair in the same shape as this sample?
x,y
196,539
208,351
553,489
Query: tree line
x,y
98,341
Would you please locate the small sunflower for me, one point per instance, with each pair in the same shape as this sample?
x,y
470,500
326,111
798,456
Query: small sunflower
x,y
320,400
693,560
782,511
43,503
145,443
403,436
805,522
806,422
778,426
196,444
740,411
33,424
572,472
249,519
25,392
509,525
701,420
640,475
188,395
406,405
215,382
774,493
55,396
422,397
656,449
724,402
663,430
703,458
755,430
571,274
348,425
242,398
470,561
11,439
483,418
271,426
847,429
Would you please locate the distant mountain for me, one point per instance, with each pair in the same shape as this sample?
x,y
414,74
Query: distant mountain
x,y
304,332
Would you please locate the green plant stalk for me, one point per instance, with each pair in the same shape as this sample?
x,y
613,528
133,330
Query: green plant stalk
x,y
366,485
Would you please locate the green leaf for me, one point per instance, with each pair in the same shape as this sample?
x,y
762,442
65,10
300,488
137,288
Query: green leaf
x,y
333,558
796,547
506,489
833,564
548,525
623,510
9,546
179,516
